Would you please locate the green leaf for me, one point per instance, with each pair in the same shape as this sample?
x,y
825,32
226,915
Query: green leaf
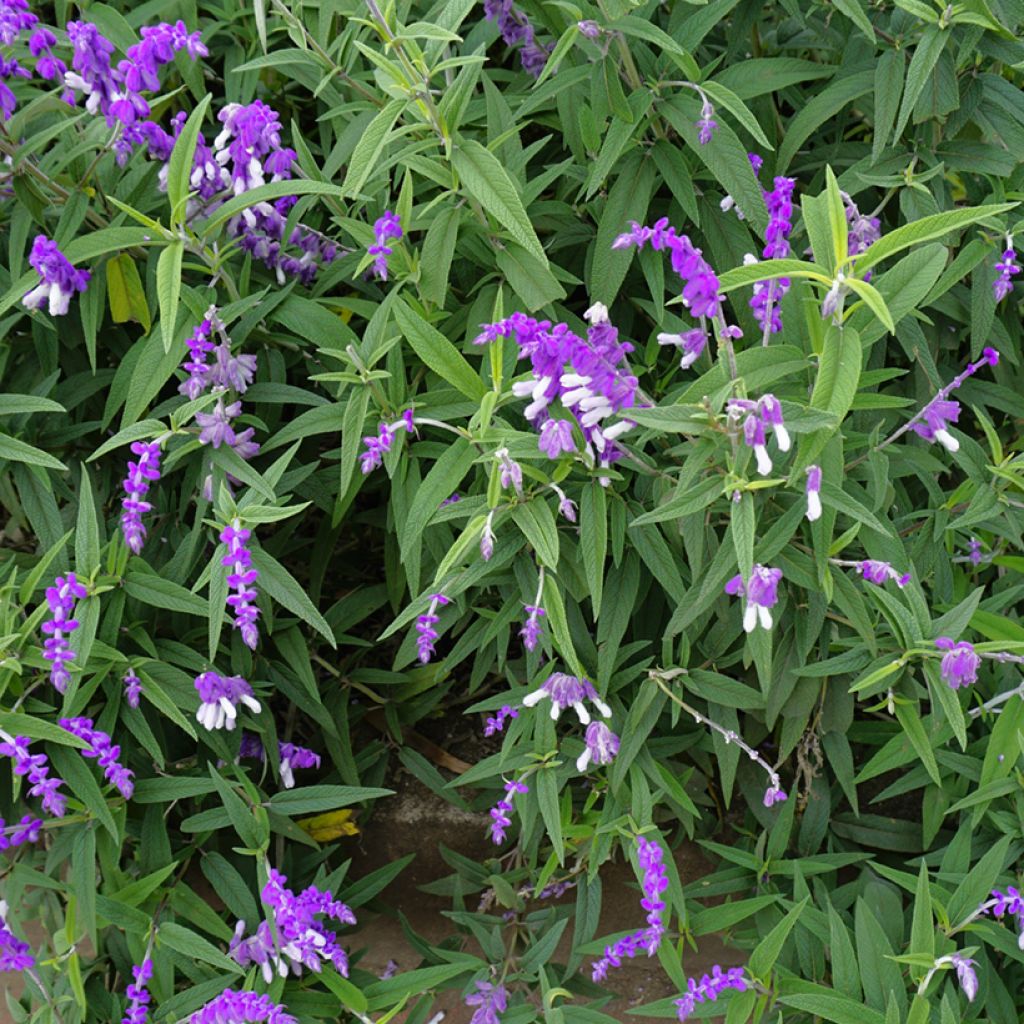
x,y
537,522
838,372
314,799
18,451
489,184
278,583
547,798
186,941
979,882
179,167
922,64
919,739
437,253
163,593
726,98
125,294
767,951
873,300
594,540
888,87
922,932
87,529
168,289
831,1006
370,146
267,194
641,718
767,270
438,352
838,225
531,280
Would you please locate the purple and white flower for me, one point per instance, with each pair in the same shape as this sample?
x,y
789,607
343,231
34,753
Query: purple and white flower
x,y
426,633
489,1001
601,746
384,229
692,344
234,1007
138,995
377,445
487,538
1011,902
510,471
61,598
240,579
881,572
960,662
813,493
565,691
141,474
757,419
761,593
219,699
941,410
58,279
501,812
132,688
15,955
37,770
710,987
496,723
106,752
1006,269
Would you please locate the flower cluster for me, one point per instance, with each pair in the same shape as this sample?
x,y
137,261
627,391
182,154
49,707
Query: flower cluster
x,y
646,940
710,987
496,724
1006,268
290,755
15,955
220,697
489,1000
200,345
862,231
9,68
767,294
501,812
138,994
959,664
37,769
141,474
58,279
305,942
380,443
15,18
61,598
600,746
761,593
758,418
384,229
233,1007
588,377
426,633
941,410
103,748
27,830
1011,902
515,28
132,688
240,580
565,691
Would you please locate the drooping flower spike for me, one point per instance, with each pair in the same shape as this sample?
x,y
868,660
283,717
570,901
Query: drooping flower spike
x,y
501,812
496,724
647,940
37,769
240,580
61,599
141,474
58,279
755,419
137,1011
220,697
960,663
761,593
768,294
290,757
565,691
384,229
377,445
932,422
532,628
15,955
710,987
426,633
516,30
881,572
132,688
106,752
1006,268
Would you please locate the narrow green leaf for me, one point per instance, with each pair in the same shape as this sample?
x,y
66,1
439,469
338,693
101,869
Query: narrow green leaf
x,y
179,167
168,289
438,352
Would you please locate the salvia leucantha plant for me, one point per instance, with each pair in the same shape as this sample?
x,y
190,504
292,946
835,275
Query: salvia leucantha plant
x,y
639,383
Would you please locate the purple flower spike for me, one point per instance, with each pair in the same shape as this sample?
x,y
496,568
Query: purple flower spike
x,y
647,940
502,810
974,551
132,688
58,279
15,18
15,955
515,29
532,628
510,470
376,446
1007,268
965,974
710,987
37,769
28,830
601,746
137,1010
1011,902
941,410
566,691
768,294
774,794
489,1000
8,101
881,572
495,725
762,594
241,579
862,231
56,649
959,663
232,1007
384,229
104,750
813,493
220,697
136,485
305,941
425,624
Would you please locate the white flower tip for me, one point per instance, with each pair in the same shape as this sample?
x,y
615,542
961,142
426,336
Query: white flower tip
x,y
947,440
749,259
782,437
764,462
583,760
597,314
535,697
582,713
670,339
765,616
813,507
749,618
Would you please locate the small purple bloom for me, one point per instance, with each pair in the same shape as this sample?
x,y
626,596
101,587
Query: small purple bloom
x,y
427,634
813,493
965,974
532,628
565,691
515,29
490,1001
377,446
106,752
132,688
937,415
487,538
589,29
292,757
141,474
959,663
37,769
28,830
15,955
502,810
240,579
774,794
762,594
1007,267
58,279
496,724
692,343
862,231
219,699
556,437
974,551
881,572
710,987
137,1010
56,648
510,470
384,229
757,418
233,1007
601,746
15,18
706,124
1011,902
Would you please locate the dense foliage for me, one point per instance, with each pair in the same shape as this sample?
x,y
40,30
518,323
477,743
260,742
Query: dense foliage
x,y
642,381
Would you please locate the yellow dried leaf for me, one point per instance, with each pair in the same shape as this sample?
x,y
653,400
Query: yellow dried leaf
x,y
332,825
